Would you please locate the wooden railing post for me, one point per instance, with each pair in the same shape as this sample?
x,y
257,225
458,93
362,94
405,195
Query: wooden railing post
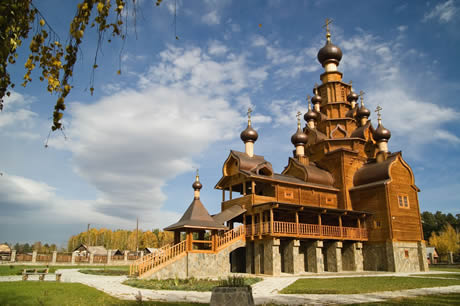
x,y
253,226
359,228
340,225
297,222
319,225
271,220
261,224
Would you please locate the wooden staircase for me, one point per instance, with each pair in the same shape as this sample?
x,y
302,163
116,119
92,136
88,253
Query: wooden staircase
x,y
166,255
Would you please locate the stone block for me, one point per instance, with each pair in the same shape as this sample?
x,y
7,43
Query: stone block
x,y
334,257
315,257
13,256
229,296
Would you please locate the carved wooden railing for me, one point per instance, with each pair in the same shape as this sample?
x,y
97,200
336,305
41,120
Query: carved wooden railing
x,y
307,230
227,238
147,263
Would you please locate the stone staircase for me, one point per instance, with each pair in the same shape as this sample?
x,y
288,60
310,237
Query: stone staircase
x,y
165,256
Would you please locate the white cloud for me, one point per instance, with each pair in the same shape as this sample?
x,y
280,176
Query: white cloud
x,y
402,28
211,18
259,41
284,111
443,12
217,48
415,121
148,136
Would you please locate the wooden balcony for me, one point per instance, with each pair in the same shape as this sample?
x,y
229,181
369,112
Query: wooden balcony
x,y
247,201
301,230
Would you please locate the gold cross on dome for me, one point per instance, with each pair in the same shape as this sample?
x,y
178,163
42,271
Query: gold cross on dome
x,y
361,95
378,109
249,113
326,24
298,118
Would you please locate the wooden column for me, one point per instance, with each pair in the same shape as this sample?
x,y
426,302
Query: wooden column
x,y
189,242
297,222
244,224
213,240
271,220
261,224
253,192
230,197
359,227
253,226
244,188
319,225
340,225
223,195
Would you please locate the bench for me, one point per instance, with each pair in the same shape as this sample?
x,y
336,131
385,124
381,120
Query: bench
x,y
40,272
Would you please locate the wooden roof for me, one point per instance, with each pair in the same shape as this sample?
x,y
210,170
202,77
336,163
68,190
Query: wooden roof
x,y
196,217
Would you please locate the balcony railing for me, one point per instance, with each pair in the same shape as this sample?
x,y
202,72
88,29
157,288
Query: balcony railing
x,y
302,230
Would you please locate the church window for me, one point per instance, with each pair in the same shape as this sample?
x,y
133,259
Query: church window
x,y
403,201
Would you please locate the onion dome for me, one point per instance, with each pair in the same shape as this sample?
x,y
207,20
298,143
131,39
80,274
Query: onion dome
x,y
197,184
330,53
381,133
310,114
352,96
299,138
249,134
363,112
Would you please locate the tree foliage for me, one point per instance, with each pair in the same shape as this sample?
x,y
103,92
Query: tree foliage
x,y
437,221
121,239
20,18
447,241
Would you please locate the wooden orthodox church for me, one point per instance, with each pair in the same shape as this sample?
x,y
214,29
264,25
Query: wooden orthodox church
x,y
342,203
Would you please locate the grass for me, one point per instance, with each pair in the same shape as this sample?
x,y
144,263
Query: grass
x,y
446,275
430,300
364,284
190,284
107,272
51,293
447,268
17,269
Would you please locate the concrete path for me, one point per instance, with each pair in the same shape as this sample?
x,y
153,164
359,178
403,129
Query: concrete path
x,y
264,292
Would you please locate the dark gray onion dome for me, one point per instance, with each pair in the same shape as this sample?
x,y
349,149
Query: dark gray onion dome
x,y
352,96
363,112
310,115
249,134
329,53
299,138
316,99
197,185
382,134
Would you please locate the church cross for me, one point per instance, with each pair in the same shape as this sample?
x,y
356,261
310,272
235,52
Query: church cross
x,y
298,116
249,113
378,109
326,25
361,95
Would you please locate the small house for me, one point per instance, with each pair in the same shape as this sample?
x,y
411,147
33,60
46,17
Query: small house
x,y
431,255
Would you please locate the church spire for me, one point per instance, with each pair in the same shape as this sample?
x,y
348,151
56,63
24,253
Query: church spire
x,y
249,136
330,55
197,185
299,139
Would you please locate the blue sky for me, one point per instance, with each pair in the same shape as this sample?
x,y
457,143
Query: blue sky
x,y
178,105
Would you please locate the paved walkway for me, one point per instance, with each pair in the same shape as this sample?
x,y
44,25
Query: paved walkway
x,y
265,291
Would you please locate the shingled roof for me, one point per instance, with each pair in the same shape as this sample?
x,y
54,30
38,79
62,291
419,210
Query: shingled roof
x,y
196,217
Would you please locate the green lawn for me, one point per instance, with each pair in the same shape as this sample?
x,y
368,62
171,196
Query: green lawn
x,y
51,293
430,300
17,269
107,272
446,275
364,284
448,268
190,284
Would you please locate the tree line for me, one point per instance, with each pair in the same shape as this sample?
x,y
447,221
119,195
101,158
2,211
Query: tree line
x,y
442,231
46,248
121,239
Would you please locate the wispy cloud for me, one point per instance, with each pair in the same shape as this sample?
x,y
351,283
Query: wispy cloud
x,y
211,18
443,12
